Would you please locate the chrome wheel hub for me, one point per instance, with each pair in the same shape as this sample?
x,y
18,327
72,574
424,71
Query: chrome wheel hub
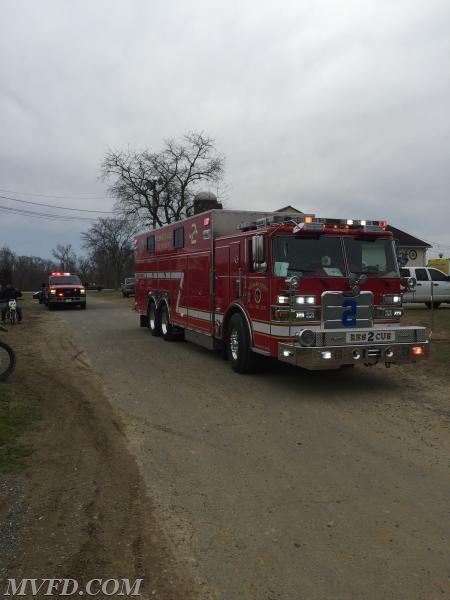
x,y
234,344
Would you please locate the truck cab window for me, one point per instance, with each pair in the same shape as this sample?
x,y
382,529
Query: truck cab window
x,y
320,256
421,275
438,275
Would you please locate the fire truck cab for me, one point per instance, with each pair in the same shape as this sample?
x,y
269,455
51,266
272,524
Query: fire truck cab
x,y
312,292
64,289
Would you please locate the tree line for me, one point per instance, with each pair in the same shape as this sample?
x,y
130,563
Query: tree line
x,y
150,189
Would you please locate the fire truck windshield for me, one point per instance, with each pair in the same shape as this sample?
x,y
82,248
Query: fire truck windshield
x,y
65,280
374,256
333,256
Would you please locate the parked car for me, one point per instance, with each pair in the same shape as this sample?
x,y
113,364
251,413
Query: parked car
x,y
127,287
92,286
432,288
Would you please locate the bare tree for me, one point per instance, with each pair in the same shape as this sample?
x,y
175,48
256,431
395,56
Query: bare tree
x,y
8,260
109,242
85,268
65,256
25,272
159,187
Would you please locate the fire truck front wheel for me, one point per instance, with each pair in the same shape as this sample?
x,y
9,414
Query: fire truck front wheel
x,y
241,357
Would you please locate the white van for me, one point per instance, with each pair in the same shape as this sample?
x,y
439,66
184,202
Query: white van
x,y
433,286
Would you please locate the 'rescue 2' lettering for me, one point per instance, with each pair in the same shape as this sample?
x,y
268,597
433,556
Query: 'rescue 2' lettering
x,y
370,336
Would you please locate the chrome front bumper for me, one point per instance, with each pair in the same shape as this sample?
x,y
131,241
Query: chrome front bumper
x,y
367,354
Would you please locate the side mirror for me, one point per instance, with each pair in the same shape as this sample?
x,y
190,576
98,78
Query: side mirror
x,y
408,283
258,248
258,253
292,282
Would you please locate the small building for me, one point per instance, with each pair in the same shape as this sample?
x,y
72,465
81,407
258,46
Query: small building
x,y
290,210
411,251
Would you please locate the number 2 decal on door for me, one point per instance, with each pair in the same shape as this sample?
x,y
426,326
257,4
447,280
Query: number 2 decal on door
x,y
349,315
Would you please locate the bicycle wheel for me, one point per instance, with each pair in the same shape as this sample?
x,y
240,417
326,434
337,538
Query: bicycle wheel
x,y
12,317
7,361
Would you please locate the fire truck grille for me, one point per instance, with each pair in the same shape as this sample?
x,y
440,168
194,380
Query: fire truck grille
x,y
342,312
411,335
68,292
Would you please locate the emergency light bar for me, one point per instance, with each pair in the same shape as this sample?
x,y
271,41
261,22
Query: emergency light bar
x,y
59,274
313,223
266,221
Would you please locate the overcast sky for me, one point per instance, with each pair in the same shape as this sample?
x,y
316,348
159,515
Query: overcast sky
x,y
338,107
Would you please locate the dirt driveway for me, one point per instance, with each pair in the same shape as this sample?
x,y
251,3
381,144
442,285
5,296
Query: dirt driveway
x,y
154,460
79,510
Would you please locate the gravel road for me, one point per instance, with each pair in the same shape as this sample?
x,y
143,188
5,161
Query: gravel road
x,y
286,484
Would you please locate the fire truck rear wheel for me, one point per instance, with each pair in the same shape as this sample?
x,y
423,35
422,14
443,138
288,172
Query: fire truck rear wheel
x,y
242,359
153,319
169,332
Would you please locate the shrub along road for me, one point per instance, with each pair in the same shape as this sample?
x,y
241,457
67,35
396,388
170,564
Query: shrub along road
x,y
284,484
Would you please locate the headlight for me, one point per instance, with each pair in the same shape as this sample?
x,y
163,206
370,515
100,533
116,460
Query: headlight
x,y
282,299
82,291
53,292
305,314
390,313
392,299
305,299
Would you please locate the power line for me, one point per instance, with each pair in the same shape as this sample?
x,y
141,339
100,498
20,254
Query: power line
x,y
42,215
103,212
57,197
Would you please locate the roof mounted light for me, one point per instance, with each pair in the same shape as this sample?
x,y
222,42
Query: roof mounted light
x,y
312,223
246,226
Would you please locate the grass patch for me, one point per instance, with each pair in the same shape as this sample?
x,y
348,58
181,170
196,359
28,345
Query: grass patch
x,y
108,295
439,323
437,320
18,412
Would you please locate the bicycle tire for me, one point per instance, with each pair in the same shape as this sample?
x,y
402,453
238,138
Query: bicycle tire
x,y
7,361
12,317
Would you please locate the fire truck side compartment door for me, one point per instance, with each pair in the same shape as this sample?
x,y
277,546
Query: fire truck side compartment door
x,y
222,283
199,293
235,271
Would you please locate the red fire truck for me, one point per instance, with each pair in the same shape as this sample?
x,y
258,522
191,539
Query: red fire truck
x,y
313,292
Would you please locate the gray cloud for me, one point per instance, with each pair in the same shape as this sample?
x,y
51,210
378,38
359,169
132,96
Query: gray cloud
x,y
338,107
